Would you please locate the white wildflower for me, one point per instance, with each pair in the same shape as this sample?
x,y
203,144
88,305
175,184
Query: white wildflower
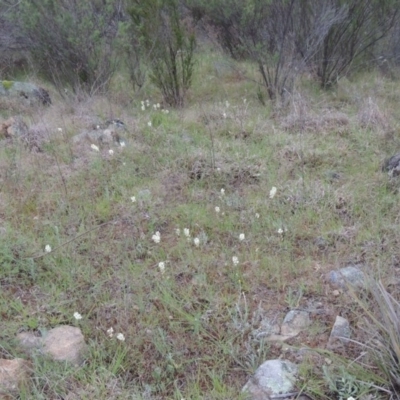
x,y
178,232
280,231
156,237
186,232
143,107
148,103
133,199
235,260
47,248
257,215
121,337
161,266
166,111
224,115
59,129
149,124
196,242
77,316
222,192
94,147
158,105
155,106
272,192
110,332
241,237
122,143
111,152
217,209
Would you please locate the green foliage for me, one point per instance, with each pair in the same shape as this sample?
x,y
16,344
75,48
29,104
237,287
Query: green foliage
x,y
168,44
7,84
71,43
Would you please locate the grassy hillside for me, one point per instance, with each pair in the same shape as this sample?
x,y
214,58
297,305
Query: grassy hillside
x,y
190,324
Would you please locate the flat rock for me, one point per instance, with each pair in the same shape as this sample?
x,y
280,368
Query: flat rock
x,y
273,377
295,321
13,374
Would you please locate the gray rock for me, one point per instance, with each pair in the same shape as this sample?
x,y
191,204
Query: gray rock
x,y
24,90
340,333
273,377
350,275
13,375
294,322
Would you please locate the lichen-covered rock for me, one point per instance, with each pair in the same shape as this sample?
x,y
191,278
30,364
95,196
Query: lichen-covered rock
x,y
274,377
25,90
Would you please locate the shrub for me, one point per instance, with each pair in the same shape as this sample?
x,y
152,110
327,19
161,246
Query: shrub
x,y
169,45
268,33
71,42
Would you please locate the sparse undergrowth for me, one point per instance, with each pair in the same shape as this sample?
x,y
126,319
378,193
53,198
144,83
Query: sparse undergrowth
x,y
189,300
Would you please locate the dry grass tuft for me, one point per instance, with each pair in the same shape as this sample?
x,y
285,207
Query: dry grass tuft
x,y
302,117
370,116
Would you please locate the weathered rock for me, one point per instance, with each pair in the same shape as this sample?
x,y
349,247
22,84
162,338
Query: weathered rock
x,y
13,375
392,165
29,341
13,127
340,333
294,322
24,90
65,343
350,275
273,377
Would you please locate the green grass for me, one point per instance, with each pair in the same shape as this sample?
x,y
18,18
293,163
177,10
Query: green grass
x,y
190,330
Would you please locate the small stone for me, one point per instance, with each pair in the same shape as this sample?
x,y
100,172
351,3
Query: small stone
x,y
273,377
336,293
13,375
294,322
340,333
349,275
65,343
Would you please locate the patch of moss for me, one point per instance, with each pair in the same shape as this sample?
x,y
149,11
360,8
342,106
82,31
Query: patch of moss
x,y
7,84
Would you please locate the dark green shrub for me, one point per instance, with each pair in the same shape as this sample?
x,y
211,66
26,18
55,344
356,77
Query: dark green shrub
x,y
168,45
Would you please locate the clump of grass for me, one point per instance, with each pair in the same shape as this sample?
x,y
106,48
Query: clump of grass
x,y
382,326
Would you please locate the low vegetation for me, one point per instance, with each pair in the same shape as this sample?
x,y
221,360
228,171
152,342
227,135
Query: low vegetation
x,y
214,213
